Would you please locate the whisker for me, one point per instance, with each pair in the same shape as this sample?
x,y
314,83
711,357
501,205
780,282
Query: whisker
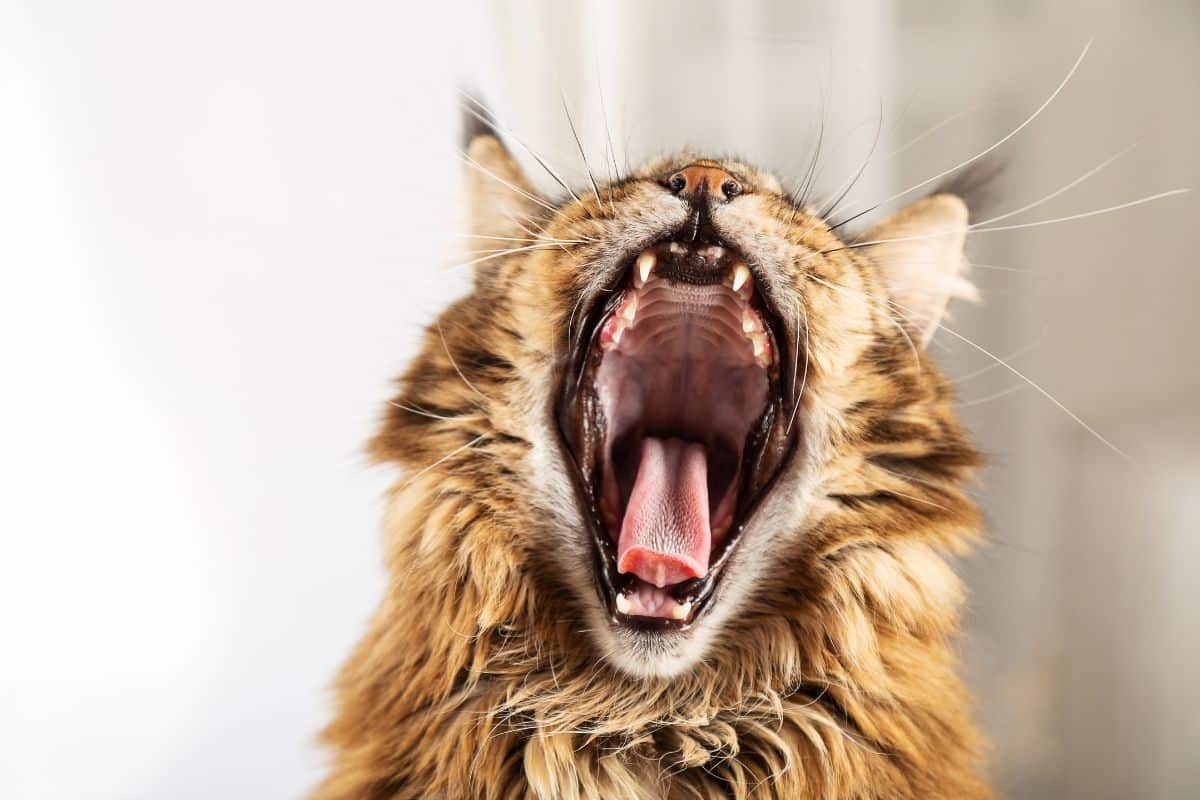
x,y
500,253
988,150
929,132
579,144
804,380
524,238
490,119
995,396
443,459
912,345
1000,362
1083,215
1056,193
454,363
1003,269
812,165
610,156
422,413
878,130
528,196
971,229
1013,355
1039,390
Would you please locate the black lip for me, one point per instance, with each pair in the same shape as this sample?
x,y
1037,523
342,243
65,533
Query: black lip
x,y
578,415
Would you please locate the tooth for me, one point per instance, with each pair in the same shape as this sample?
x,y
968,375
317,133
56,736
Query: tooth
x,y
629,310
623,604
741,274
677,248
645,265
681,610
749,323
759,340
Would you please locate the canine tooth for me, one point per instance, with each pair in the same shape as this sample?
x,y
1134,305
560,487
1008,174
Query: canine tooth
x,y
741,274
645,265
681,610
623,604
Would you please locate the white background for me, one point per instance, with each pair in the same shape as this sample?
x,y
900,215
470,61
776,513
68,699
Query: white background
x,y
222,226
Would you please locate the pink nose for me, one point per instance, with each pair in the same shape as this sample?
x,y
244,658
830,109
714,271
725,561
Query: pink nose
x,y
698,181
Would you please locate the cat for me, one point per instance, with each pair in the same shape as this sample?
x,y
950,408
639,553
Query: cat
x,y
680,484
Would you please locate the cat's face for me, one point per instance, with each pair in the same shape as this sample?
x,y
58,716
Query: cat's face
x,y
717,393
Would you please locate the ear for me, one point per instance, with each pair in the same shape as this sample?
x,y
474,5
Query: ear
x,y
498,195
920,255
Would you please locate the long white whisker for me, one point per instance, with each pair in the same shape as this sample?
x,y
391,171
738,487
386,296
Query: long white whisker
x,y
500,253
610,157
1056,193
912,345
1039,390
971,229
928,132
857,175
490,119
444,458
1083,215
454,363
528,196
422,413
527,239
1013,355
995,396
579,144
1004,139
804,380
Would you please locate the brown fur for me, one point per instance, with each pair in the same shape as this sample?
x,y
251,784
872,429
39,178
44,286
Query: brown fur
x,y
482,674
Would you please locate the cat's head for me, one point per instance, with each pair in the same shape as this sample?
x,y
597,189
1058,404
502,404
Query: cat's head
x,y
690,410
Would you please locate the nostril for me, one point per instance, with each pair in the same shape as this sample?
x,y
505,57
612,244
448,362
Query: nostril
x,y
677,183
731,189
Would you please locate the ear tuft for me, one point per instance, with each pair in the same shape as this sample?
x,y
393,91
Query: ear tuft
x,y
919,252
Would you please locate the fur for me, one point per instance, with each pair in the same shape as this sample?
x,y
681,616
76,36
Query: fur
x,y
826,668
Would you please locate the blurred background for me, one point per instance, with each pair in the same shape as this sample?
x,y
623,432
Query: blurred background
x,y
222,226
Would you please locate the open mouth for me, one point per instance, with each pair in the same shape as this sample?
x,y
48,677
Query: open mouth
x,y
674,411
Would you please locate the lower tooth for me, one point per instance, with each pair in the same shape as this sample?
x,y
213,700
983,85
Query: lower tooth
x,y
681,610
623,604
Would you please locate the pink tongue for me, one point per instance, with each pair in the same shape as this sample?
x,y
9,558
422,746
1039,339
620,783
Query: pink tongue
x,y
665,536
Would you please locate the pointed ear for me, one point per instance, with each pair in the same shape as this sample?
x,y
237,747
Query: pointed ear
x,y
926,266
498,195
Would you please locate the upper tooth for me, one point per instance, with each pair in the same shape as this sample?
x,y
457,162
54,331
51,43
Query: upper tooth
x,y
677,248
749,323
623,604
645,265
741,274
